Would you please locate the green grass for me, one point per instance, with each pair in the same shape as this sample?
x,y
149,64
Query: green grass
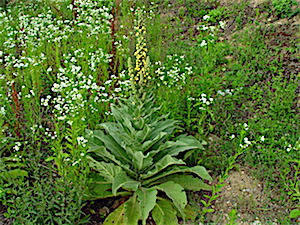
x,y
62,65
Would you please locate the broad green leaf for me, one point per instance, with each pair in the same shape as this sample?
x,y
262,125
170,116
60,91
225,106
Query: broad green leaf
x,y
138,160
142,135
198,170
122,180
188,182
107,170
116,217
112,146
176,193
132,211
164,213
184,143
97,190
165,162
139,123
150,143
167,126
295,213
107,156
147,199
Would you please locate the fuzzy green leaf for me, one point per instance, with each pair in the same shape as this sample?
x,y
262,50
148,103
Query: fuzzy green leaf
x,y
164,214
150,143
112,146
122,180
184,143
188,182
165,162
138,160
107,170
132,211
147,199
167,126
116,217
107,156
198,170
142,135
176,193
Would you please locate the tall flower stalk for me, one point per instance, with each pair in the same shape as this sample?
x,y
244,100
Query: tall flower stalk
x,y
139,73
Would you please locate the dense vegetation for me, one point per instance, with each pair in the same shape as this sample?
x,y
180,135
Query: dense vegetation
x,y
136,112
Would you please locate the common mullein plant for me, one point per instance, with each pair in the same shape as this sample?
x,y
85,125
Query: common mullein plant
x,y
134,157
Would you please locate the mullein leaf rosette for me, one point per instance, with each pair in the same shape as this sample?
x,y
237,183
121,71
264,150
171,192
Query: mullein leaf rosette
x,y
133,157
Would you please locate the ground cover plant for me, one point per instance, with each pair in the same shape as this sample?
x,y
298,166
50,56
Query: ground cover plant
x,y
105,104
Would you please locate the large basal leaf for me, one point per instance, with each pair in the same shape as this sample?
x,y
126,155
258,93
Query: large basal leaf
x,y
184,143
188,182
107,156
112,146
176,193
165,162
198,170
122,180
93,142
132,211
119,134
116,217
107,170
98,190
147,200
164,213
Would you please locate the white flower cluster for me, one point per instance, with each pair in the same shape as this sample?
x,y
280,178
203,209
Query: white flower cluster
x,y
82,141
208,31
290,147
246,143
77,93
17,146
174,72
225,92
93,19
2,111
201,102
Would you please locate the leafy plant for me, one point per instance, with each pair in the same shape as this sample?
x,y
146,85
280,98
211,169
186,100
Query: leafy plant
x,y
283,8
133,157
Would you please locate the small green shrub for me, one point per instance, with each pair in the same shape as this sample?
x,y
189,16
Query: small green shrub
x,y
133,157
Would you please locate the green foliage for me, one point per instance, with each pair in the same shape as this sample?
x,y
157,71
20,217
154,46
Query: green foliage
x,y
134,157
46,199
12,173
283,8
